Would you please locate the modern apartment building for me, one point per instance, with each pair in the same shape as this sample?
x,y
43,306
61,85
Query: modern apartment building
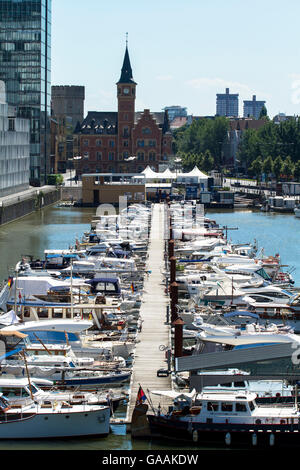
x,y
228,104
175,111
252,108
25,67
14,149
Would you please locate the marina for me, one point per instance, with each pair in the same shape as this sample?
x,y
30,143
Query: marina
x,y
125,323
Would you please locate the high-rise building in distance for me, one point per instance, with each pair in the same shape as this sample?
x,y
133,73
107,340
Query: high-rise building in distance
x,y
25,67
227,104
253,108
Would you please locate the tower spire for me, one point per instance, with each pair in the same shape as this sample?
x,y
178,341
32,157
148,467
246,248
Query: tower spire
x,y
126,72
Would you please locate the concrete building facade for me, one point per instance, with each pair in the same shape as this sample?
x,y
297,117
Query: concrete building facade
x,y
227,104
252,108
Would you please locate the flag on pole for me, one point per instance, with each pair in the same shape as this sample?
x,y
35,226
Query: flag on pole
x,y
132,287
10,281
141,397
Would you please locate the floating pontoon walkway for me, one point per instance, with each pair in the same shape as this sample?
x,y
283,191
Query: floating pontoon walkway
x,y
148,357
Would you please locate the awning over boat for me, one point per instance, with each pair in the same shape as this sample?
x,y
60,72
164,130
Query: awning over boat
x,y
10,353
241,313
12,333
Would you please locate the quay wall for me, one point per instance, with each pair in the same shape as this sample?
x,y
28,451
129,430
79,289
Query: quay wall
x,y
71,193
22,204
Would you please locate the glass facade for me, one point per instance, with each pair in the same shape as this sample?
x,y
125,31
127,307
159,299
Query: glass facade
x,y
25,67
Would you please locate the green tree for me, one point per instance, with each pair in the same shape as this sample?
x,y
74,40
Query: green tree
x,y
263,113
256,168
268,166
208,161
297,170
288,168
277,167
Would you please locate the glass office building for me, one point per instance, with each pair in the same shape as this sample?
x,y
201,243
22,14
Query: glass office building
x,y
25,67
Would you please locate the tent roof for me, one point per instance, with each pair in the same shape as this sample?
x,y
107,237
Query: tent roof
x,y
148,173
195,172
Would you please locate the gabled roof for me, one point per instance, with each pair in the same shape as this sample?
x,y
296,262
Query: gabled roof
x,y
100,122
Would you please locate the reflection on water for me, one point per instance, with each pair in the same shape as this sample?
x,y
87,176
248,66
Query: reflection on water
x,y
276,233
57,228
53,228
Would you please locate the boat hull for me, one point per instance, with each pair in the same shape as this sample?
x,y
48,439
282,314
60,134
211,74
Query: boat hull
x,y
56,425
234,435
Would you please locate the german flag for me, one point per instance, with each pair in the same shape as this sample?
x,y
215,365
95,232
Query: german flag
x,y
10,282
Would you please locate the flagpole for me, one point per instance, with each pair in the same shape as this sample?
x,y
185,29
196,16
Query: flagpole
x,y
16,284
150,401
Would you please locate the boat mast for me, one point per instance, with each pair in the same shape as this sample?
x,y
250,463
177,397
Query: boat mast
x,y
72,308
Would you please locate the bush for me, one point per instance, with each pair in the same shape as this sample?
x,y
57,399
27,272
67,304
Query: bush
x,y
54,180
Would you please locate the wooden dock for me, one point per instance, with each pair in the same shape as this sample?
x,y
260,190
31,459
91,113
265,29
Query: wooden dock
x,y
148,357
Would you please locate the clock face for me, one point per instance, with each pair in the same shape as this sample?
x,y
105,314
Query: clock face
x,y
126,91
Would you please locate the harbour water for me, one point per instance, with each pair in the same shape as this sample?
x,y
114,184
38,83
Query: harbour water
x,y
57,228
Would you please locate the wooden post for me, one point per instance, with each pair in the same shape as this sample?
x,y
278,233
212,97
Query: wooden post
x,y
171,248
174,301
172,269
178,341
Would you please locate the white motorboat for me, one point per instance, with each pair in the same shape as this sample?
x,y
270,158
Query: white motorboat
x,y
25,419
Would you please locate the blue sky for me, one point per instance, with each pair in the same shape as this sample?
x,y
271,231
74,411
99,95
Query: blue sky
x,y
182,52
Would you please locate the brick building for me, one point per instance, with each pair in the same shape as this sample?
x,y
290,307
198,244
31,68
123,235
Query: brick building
x,y
124,140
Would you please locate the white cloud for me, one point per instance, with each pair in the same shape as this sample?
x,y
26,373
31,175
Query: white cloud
x,y
164,78
219,84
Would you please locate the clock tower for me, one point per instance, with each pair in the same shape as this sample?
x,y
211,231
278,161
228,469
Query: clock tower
x,y
126,87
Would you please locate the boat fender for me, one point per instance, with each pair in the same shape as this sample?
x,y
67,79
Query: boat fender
x,y
228,438
272,439
195,436
254,439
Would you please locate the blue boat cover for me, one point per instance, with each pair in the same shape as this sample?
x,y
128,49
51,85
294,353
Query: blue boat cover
x,y
242,313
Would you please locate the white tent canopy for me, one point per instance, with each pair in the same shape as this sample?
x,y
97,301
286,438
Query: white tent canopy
x,y
195,175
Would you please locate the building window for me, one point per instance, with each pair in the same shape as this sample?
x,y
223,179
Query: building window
x,y
146,130
125,155
152,156
99,156
111,143
140,143
111,156
125,131
86,143
140,156
125,117
125,143
98,143
152,143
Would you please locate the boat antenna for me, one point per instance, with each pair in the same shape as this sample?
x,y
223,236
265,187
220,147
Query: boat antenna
x,y
27,373
44,346
150,400
72,307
